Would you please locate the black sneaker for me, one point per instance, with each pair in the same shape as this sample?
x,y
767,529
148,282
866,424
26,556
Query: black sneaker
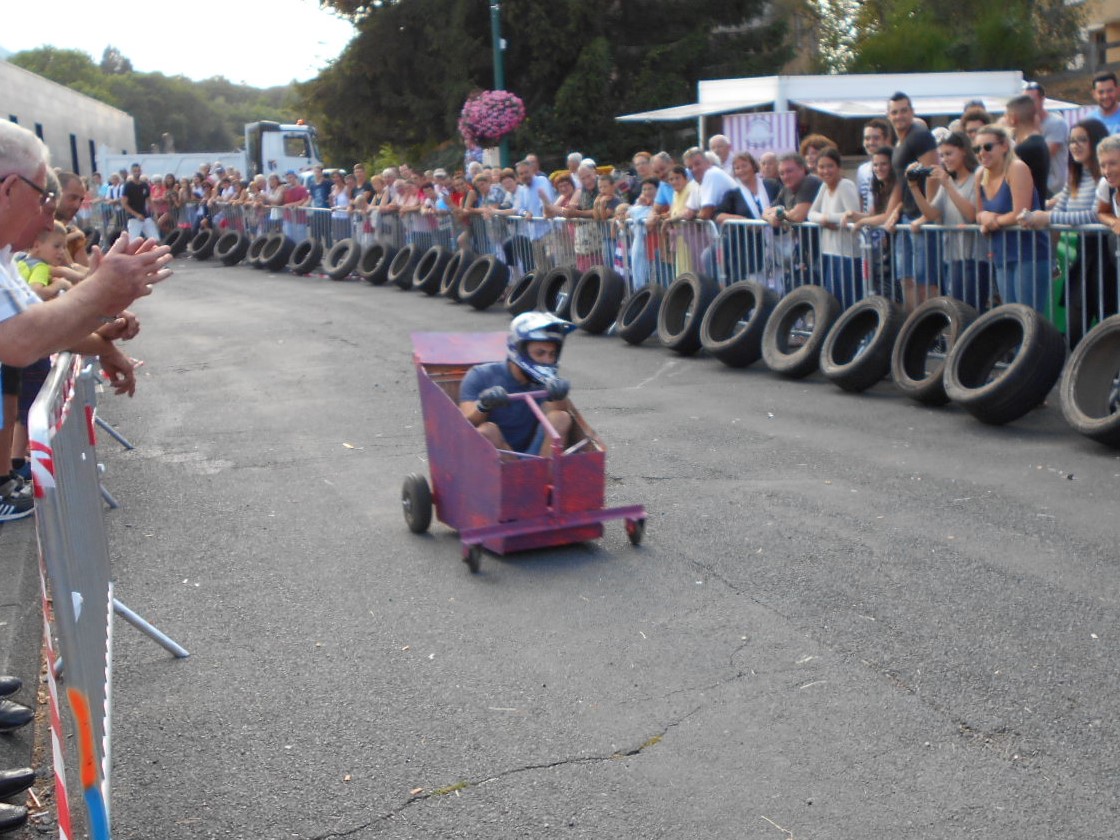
x,y
17,502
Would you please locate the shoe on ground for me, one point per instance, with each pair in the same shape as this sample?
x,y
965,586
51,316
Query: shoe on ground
x,y
14,715
15,781
11,817
16,500
9,685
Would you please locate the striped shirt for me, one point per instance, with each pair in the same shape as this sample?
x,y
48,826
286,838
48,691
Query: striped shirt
x,y
1080,209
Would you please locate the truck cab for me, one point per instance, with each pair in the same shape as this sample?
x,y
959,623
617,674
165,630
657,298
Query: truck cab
x,y
272,147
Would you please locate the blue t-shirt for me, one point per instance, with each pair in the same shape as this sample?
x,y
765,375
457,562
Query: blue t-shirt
x,y
320,193
516,420
1112,121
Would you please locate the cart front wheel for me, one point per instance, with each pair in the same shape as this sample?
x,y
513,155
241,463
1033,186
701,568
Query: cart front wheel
x,y
473,558
416,500
635,530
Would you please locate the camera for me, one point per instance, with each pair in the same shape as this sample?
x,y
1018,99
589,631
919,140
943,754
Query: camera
x,y
918,172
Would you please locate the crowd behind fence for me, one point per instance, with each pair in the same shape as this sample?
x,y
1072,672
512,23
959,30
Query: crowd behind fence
x,y
1068,274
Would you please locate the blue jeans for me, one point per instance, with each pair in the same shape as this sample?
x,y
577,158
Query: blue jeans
x,y
969,281
910,253
842,276
1025,281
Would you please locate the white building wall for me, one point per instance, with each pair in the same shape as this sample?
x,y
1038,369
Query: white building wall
x,y
74,126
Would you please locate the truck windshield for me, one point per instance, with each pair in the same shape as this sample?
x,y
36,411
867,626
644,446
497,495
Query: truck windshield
x,y
297,145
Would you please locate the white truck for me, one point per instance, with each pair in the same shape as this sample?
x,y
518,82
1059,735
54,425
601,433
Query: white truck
x,y
269,147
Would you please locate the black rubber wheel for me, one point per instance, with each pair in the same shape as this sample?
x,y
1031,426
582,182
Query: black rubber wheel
x,y
1091,386
1004,364
177,240
202,245
416,500
473,558
926,337
342,259
484,282
429,271
453,275
306,257
256,248
93,237
277,251
733,325
523,294
403,267
637,320
231,248
682,312
557,286
796,330
374,264
857,352
597,298
635,530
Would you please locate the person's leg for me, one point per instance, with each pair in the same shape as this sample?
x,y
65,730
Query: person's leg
x,y
904,264
562,422
135,227
150,228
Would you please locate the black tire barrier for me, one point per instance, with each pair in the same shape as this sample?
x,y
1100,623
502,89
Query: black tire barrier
x,y
404,266
453,275
556,290
682,312
373,267
429,271
926,337
732,327
277,251
1091,385
93,237
256,248
342,259
597,298
231,248
857,352
306,257
484,282
177,241
796,330
1013,334
202,245
637,319
523,294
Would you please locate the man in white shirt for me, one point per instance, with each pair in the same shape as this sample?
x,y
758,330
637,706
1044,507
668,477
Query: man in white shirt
x,y
719,144
714,182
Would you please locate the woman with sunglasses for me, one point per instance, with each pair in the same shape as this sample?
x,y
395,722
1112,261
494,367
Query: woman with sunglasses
x,y
1021,257
950,201
1088,255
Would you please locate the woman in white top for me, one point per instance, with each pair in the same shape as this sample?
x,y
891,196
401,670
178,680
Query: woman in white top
x,y
950,201
841,269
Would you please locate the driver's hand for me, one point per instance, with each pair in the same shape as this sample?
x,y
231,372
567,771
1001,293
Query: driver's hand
x,y
493,397
557,389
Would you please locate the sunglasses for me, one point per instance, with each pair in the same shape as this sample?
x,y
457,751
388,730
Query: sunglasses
x,y
45,196
984,147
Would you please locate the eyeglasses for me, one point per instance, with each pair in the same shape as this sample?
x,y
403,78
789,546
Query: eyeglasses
x,y
984,147
45,196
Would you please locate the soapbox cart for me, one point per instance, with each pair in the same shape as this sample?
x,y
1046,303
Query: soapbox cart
x,y
500,504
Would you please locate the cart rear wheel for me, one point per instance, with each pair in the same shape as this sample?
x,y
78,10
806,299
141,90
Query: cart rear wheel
x,y
473,558
635,530
416,499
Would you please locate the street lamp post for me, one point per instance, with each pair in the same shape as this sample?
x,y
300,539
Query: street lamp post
x,y
499,66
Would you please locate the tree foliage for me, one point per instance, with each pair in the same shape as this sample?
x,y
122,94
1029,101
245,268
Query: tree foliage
x,y
575,63
200,116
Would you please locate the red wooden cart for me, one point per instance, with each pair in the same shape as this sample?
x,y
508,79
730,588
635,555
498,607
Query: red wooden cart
x,y
494,503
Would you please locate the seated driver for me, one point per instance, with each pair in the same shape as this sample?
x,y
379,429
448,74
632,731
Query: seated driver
x,y
535,341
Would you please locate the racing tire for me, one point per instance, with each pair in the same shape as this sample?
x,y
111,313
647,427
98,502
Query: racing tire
x,y
555,295
597,298
342,259
1090,388
202,245
732,327
403,267
256,248
682,312
814,309
429,271
523,294
306,257
1035,351
277,251
453,274
416,500
932,328
231,248
177,241
637,319
857,352
484,282
373,267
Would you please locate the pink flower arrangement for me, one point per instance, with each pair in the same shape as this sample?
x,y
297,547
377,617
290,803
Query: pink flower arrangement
x,y
489,116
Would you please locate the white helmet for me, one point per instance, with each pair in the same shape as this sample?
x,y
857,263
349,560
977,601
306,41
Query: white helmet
x,y
536,326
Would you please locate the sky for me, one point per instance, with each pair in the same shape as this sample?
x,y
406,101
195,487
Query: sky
x,y
261,43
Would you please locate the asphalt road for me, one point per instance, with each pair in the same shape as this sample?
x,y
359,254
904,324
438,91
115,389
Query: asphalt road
x,y
852,616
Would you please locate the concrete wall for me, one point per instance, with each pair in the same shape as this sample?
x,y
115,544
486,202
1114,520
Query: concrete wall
x,y
73,125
